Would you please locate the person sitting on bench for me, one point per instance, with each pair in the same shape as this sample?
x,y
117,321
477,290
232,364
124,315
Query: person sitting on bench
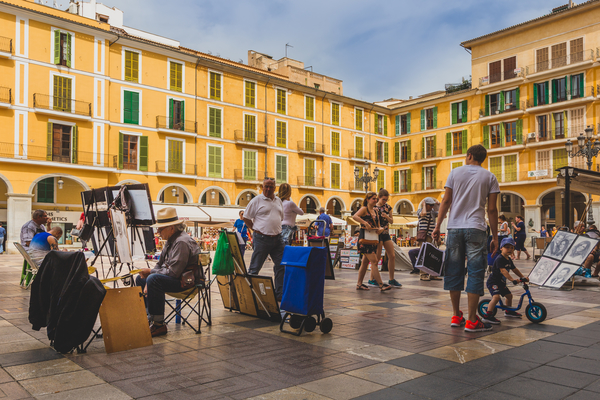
x,y
43,243
179,252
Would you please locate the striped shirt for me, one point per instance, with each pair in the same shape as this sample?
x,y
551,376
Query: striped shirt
x,y
426,223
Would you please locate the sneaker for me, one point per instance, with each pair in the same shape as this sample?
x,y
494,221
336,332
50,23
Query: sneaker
x,y
490,319
415,271
395,283
457,321
477,326
372,283
512,314
158,330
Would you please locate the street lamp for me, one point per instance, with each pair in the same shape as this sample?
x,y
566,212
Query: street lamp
x,y
366,179
60,183
589,147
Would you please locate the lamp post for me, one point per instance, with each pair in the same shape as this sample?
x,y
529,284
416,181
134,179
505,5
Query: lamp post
x,y
366,179
589,147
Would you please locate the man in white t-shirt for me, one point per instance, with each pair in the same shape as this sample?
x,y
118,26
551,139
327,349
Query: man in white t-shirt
x,y
467,190
263,215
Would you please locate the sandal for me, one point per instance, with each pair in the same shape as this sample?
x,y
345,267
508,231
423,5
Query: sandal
x,y
383,287
362,286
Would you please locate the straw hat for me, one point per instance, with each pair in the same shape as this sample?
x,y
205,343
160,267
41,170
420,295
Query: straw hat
x,y
166,217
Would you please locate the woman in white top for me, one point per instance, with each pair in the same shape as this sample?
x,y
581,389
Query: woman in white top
x,y
503,229
290,211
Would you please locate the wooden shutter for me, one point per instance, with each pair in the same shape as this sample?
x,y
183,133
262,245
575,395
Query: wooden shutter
x,y
486,136
385,131
546,88
501,108
464,111
449,143
143,144
519,131
74,144
57,46
386,156
423,178
376,127
170,114
182,112
408,123
487,105
517,98
49,142
454,113
250,165
408,150
502,134
509,67
464,141
397,152
434,117
127,107
581,87
422,120
422,148
409,180
120,157
535,94
135,108
396,182
541,60
68,55
554,90
397,125
495,71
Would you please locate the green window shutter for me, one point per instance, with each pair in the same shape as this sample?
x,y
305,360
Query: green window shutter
x,y
396,152
385,131
519,131
396,182
120,161
135,108
423,178
74,144
68,55
517,99
408,123
182,115
435,145
547,88
448,143
487,105
501,108
170,113
434,117
581,88
376,127
408,150
422,148
502,133
554,90
464,141
409,180
214,162
49,142
45,191
454,113
552,127
422,120
397,125
214,122
535,95
57,47
249,165
127,107
143,153
386,156
486,136
464,110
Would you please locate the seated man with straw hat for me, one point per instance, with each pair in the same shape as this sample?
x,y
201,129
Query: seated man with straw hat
x,y
179,252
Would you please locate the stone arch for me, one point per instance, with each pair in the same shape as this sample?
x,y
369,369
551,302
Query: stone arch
x,y
313,198
9,187
331,210
399,202
355,205
543,194
178,185
243,193
71,177
216,189
128,182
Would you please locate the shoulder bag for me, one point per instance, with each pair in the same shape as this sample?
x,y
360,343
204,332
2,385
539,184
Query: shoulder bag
x,y
370,236
422,233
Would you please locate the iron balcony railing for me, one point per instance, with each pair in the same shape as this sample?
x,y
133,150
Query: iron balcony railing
x,y
44,153
507,107
248,175
63,104
5,95
563,95
435,153
126,165
360,154
498,77
178,125
312,181
356,186
437,185
6,44
558,133
175,167
562,61
311,147
249,137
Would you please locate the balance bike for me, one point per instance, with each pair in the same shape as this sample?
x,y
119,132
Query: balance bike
x,y
535,312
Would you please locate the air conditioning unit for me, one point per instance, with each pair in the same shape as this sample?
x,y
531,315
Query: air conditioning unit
x,y
531,136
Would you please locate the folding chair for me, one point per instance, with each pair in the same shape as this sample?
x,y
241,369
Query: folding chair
x,y
30,268
200,292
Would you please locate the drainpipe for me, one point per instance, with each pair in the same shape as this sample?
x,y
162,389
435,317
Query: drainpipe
x,y
323,131
196,121
266,136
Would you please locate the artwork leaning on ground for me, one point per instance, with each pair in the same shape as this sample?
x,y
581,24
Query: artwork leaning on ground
x,y
562,258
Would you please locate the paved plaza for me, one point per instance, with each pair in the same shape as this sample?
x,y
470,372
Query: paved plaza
x,y
396,345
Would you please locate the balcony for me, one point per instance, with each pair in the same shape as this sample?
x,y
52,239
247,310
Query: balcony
x,y
311,148
512,109
43,153
6,47
564,98
175,168
428,155
311,182
126,166
249,176
166,124
437,185
544,135
357,154
53,105
5,96
250,138
559,63
500,79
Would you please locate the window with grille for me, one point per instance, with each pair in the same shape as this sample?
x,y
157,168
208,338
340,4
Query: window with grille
x,y
281,134
335,175
335,114
510,133
280,169
131,66
335,143
176,76
309,108
215,86
281,101
250,94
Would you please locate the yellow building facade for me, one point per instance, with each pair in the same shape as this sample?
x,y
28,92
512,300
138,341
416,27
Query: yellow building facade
x,y
87,102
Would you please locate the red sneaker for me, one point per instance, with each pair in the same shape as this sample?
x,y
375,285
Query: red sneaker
x,y
457,321
477,326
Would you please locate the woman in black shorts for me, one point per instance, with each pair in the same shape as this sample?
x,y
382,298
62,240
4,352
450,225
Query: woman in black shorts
x,y
385,241
369,218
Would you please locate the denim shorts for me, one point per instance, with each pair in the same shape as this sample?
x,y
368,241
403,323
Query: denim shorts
x,y
469,243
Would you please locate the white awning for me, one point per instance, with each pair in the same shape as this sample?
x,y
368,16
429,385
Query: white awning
x,y
185,213
306,219
222,215
216,217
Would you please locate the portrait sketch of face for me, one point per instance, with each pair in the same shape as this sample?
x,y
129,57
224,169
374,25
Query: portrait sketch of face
x,y
542,270
560,244
561,275
580,250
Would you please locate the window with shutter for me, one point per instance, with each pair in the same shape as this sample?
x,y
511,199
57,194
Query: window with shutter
x,y
542,127
176,76
280,169
559,125
309,138
380,180
131,107
61,143
457,143
214,162
396,183
496,167
358,147
214,122
281,101
457,164
576,50
559,55
175,153
379,151
576,122
358,119
543,163
215,86
495,71
281,134
510,100
429,177
61,100
45,191
143,153
62,48
250,165
510,168
335,114
131,66
404,152
335,175
386,157
309,108
176,115
559,160
250,95
396,153
309,172
542,61
510,133
250,128
405,181
129,147
335,143
404,124
495,136
576,90
509,67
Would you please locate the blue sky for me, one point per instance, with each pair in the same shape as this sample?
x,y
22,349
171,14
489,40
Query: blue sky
x,y
380,49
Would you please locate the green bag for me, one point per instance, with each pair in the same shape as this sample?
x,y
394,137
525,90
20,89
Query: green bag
x,y
223,262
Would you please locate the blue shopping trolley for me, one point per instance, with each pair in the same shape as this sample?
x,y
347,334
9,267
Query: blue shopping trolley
x,y
304,283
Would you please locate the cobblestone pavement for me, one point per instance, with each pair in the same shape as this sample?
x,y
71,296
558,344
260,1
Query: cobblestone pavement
x,y
397,344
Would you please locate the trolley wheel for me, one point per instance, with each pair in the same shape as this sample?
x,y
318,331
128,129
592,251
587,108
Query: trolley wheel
x,y
326,325
536,312
310,324
482,308
296,321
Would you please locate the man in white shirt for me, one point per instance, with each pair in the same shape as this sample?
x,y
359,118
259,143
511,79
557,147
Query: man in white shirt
x,y
263,215
467,190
